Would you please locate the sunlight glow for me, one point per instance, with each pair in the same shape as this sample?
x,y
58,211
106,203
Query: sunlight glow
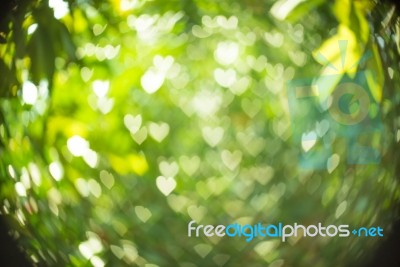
x,y
60,8
29,93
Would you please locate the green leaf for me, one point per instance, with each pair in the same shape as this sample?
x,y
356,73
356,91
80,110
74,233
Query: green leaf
x,y
41,53
293,10
397,36
374,74
66,41
353,15
7,80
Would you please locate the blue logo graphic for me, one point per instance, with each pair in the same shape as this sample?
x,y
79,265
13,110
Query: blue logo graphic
x,y
335,108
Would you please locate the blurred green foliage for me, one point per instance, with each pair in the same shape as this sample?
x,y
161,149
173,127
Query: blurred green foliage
x,y
123,120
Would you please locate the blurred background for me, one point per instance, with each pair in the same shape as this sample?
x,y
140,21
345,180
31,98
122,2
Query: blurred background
x,y
123,120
